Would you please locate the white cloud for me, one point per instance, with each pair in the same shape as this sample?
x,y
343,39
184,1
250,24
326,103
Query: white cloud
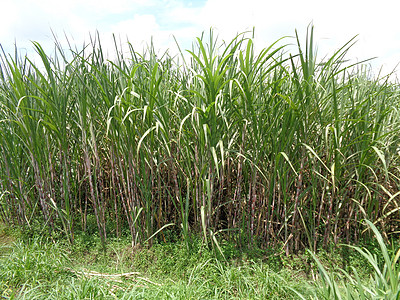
x,y
138,29
139,20
111,7
335,24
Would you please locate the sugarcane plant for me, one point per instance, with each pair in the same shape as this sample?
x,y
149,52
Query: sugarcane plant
x,y
265,147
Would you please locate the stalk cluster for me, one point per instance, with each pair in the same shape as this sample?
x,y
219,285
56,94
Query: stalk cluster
x,y
253,146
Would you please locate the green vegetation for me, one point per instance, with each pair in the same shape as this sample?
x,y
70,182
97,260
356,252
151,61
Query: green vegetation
x,y
382,283
42,268
39,268
252,149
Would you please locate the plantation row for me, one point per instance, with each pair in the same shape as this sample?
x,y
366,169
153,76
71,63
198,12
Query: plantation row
x,y
257,147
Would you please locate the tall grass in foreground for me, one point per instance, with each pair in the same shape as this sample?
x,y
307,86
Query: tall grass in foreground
x,y
383,282
255,147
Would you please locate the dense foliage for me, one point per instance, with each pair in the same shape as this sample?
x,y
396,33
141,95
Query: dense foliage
x,y
258,147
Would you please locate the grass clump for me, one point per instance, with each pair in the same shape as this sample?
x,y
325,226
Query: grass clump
x,y
381,283
35,263
50,269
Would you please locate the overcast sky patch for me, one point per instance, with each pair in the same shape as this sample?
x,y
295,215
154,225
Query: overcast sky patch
x,y
336,22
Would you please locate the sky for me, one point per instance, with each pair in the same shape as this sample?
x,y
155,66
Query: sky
x,y
376,24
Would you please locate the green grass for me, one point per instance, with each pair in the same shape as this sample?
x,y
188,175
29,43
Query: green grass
x,y
44,268
39,268
381,283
